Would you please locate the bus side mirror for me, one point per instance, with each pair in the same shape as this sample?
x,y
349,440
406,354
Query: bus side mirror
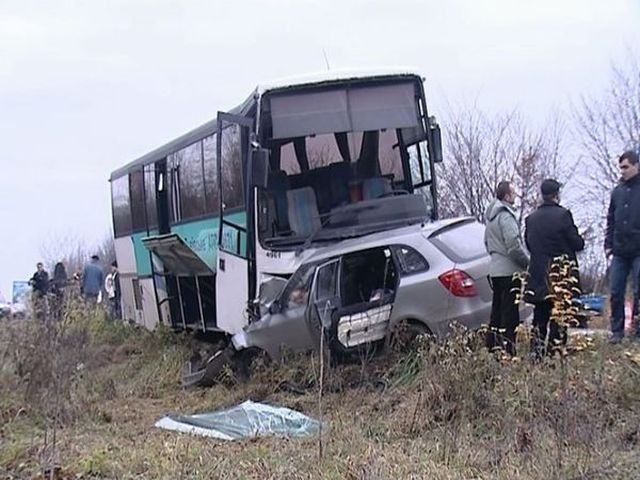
x,y
436,140
275,307
259,167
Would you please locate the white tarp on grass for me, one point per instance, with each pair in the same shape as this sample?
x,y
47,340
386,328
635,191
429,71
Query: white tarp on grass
x,y
247,420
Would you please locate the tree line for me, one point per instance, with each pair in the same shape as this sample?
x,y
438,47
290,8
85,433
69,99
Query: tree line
x,y
579,148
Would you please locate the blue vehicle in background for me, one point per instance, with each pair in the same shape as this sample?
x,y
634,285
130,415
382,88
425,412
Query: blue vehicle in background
x,y
592,302
589,305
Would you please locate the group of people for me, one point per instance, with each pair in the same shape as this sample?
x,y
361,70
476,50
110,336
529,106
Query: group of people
x,y
92,282
550,232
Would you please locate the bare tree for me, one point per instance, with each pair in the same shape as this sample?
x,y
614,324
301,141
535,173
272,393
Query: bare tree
x,y
74,253
483,150
605,126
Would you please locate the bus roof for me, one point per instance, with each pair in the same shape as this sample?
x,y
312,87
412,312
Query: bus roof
x,y
211,126
182,141
330,76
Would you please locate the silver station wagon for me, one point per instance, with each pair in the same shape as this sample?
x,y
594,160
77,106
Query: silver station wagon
x,y
426,276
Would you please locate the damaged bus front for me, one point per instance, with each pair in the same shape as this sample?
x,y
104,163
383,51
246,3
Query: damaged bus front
x,y
345,159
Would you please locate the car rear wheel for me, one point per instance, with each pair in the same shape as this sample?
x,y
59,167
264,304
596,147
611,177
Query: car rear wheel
x,y
408,335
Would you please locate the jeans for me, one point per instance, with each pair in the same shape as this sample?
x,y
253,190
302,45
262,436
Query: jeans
x,y
621,267
505,316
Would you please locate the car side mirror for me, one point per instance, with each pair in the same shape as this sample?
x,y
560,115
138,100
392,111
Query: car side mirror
x,y
259,167
436,140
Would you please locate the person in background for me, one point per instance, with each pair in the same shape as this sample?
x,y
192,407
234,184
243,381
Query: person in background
x,y
58,286
112,287
40,286
92,280
503,242
622,243
549,233
40,280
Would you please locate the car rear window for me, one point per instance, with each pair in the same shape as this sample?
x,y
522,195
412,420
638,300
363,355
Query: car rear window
x,y
462,243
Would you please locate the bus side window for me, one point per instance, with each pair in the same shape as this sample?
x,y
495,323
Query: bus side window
x,y
121,206
211,188
420,171
136,192
232,188
192,204
419,163
150,195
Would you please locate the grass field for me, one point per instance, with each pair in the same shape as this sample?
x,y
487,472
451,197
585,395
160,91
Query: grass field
x,y
440,411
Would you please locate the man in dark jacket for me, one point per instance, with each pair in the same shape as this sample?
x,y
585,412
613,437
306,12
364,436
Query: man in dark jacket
x,y
622,241
503,242
40,285
549,233
40,281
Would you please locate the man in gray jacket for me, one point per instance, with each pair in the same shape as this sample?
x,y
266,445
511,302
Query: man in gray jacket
x,y
503,242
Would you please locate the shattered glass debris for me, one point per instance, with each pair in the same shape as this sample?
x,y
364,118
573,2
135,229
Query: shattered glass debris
x,y
247,420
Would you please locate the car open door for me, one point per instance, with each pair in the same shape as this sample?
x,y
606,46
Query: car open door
x,y
325,300
233,283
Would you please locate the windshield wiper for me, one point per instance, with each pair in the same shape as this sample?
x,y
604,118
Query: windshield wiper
x,y
323,222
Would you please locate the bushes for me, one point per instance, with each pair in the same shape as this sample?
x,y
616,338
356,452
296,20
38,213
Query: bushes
x,y
443,409
57,373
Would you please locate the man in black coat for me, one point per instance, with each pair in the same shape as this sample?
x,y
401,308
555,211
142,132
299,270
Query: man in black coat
x,y
549,233
40,285
40,281
622,242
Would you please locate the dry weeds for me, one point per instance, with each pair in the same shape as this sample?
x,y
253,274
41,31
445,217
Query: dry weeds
x,y
441,411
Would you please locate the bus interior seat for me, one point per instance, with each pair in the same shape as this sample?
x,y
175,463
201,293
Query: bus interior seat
x,y
375,187
340,176
277,186
330,184
304,217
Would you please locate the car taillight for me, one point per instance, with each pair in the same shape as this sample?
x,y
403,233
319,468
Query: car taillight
x,y
459,283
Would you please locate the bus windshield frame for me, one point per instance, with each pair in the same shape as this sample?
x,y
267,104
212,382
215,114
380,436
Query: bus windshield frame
x,y
339,150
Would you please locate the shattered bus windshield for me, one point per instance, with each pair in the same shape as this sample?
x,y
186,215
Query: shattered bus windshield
x,y
344,162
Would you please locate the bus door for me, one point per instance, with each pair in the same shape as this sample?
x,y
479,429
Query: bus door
x,y
233,283
165,283
162,198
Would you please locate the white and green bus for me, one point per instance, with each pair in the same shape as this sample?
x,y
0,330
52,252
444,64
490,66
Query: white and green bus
x,y
204,223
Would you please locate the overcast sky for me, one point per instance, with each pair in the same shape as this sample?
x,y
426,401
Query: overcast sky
x,y
86,86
